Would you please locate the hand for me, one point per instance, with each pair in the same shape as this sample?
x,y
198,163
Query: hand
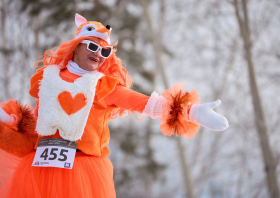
x,y
6,118
207,117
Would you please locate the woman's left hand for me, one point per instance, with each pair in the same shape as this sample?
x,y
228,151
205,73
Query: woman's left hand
x,y
207,117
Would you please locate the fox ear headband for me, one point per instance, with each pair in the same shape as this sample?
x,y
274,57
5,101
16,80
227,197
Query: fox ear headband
x,y
92,28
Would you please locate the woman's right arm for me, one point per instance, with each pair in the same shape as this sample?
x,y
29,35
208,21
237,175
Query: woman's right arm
x,y
17,128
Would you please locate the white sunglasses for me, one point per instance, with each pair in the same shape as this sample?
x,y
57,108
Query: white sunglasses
x,y
94,47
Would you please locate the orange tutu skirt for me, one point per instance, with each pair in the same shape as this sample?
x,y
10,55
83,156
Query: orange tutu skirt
x,y
91,176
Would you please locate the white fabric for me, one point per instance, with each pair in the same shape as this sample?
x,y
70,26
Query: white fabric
x,y
153,105
161,100
6,118
149,108
207,117
75,69
51,116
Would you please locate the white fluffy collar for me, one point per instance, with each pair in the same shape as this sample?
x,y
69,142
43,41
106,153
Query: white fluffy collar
x,y
75,69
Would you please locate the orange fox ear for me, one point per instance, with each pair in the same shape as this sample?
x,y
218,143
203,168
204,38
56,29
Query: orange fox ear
x,y
79,20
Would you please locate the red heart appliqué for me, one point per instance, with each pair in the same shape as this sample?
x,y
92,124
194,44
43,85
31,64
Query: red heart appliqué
x,y
69,104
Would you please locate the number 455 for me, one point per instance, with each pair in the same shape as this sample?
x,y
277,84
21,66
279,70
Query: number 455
x,y
53,155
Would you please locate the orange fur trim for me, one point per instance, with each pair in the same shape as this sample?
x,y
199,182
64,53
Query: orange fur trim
x,y
174,113
25,121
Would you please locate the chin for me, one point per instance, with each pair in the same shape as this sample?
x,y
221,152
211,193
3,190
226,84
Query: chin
x,y
93,67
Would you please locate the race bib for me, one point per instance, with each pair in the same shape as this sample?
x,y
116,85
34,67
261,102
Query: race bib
x,y
55,152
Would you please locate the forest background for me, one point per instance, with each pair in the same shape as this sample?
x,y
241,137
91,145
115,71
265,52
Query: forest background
x,y
224,49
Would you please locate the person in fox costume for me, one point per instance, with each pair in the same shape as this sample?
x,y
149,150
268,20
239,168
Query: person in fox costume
x,y
79,88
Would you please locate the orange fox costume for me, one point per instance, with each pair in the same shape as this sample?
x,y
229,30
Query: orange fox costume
x,y
92,173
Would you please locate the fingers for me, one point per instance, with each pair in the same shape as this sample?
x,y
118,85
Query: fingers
x,y
215,104
221,123
226,125
214,121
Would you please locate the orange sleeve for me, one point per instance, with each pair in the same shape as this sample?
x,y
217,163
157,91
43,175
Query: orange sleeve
x,y
105,86
16,143
19,137
127,99
34,82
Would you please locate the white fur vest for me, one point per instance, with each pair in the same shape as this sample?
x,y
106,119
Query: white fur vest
x,y
65,106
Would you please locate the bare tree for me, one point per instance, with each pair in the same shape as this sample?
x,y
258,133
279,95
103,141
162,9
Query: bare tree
x,y
269,162
158,50
4,48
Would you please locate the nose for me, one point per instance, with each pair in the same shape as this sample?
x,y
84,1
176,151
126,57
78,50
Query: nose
x,y
98,53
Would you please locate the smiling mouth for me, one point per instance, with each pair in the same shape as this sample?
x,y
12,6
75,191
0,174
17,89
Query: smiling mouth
x,y
93,59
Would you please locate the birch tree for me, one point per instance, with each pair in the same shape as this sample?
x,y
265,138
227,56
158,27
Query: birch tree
x,y
269,161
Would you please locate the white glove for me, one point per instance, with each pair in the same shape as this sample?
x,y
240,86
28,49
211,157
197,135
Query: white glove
x,y
6,118
207,117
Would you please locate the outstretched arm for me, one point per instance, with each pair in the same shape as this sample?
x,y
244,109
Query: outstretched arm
x,y
180,112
